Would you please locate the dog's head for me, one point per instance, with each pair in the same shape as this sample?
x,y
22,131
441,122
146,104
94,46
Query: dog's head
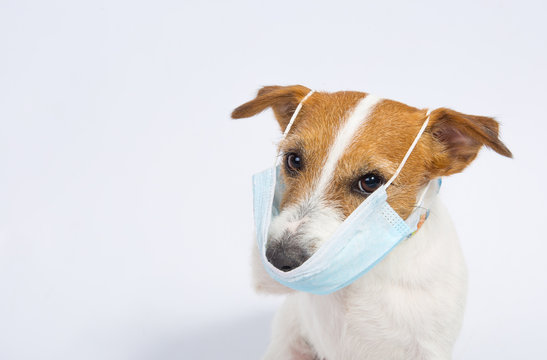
x,y
343,146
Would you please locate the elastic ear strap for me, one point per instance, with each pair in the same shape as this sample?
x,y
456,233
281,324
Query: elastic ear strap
x,y
422,129
422,196
296,111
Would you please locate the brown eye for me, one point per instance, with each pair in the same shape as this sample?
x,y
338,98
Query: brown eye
x,y
368,183
293,163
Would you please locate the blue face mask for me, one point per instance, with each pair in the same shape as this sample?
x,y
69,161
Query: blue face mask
x,y
365,237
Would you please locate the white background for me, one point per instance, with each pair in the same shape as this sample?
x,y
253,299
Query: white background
x,y
125,197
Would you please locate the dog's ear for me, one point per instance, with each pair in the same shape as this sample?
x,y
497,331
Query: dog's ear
x,y
458,138
282,99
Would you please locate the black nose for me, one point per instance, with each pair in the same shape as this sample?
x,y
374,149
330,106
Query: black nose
x,y
285,257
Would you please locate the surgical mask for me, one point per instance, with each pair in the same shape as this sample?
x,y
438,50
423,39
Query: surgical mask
x,y
362,240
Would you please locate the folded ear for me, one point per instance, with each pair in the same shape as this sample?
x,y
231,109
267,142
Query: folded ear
x,y
458,138
282,99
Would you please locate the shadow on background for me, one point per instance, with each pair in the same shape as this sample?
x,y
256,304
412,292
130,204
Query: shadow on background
x,y
240,339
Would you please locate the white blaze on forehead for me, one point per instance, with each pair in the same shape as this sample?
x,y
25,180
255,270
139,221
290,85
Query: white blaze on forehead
x,y
343,139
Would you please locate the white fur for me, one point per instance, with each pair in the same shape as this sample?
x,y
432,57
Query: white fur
x,y
409,306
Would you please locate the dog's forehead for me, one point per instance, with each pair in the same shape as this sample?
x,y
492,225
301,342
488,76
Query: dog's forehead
x,y
320,119
326,114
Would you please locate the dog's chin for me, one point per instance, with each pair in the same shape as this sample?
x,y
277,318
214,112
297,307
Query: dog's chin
x,y
262,282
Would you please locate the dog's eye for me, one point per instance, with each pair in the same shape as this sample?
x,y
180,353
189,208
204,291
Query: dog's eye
x,y
368,183
293,163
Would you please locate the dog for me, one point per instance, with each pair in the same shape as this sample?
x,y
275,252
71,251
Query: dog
x,y
408,306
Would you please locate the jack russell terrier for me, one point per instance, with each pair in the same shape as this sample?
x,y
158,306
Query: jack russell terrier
x,y
408,301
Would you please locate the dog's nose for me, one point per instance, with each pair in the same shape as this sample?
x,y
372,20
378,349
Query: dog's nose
x,y
285,257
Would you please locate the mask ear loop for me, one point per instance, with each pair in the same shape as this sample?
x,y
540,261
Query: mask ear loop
x,y
422,129
422,196
296,111
293,118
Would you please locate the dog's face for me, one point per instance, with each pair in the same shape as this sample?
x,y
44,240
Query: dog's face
x,y
345,145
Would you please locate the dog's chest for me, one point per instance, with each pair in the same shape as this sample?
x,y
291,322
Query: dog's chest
x,y
374,325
